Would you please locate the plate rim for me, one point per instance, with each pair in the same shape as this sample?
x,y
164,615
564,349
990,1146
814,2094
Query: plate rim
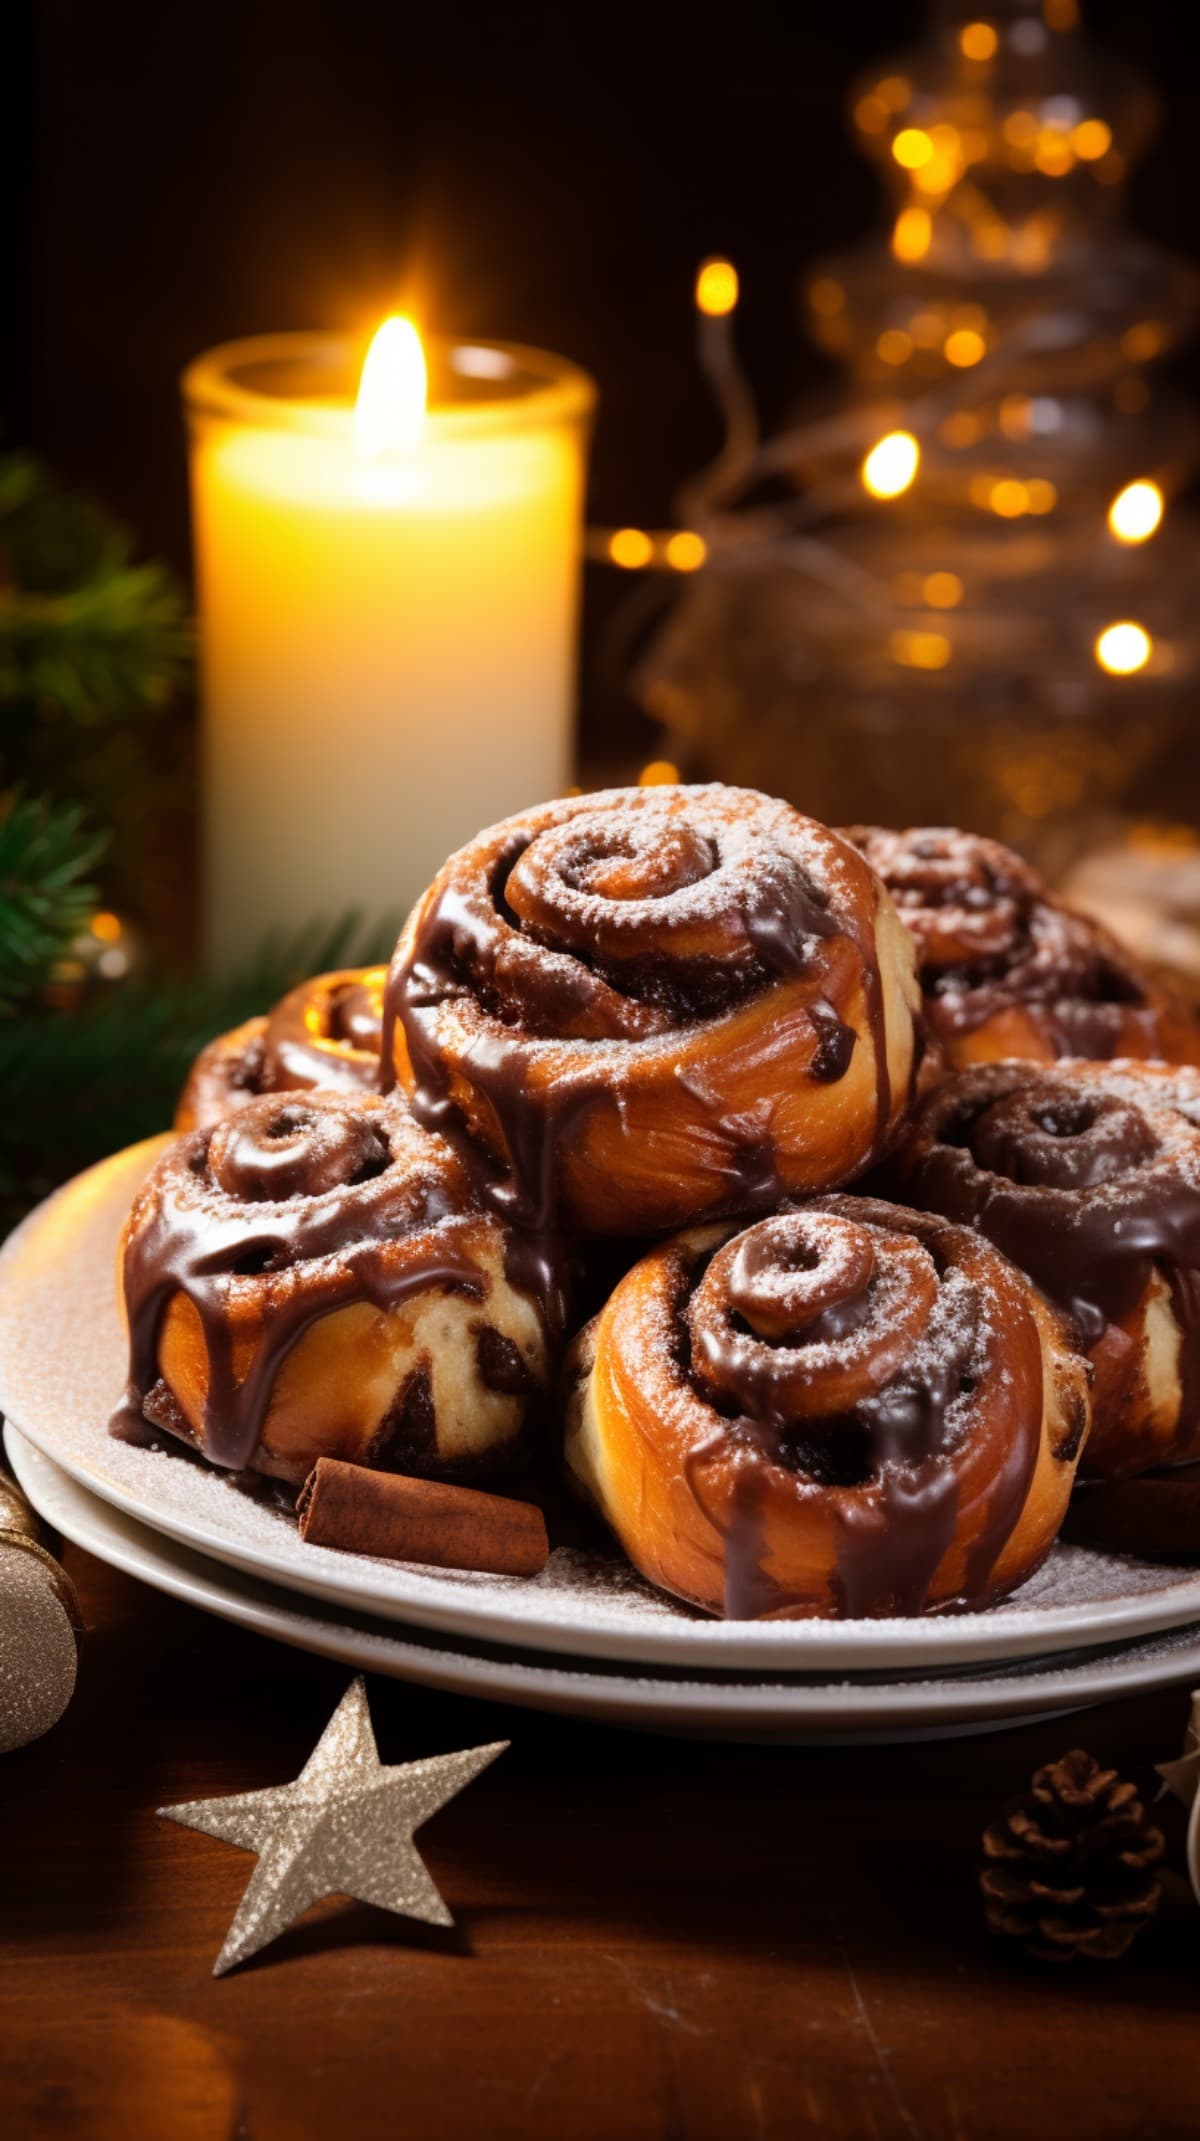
x,y
180,1572
427,1599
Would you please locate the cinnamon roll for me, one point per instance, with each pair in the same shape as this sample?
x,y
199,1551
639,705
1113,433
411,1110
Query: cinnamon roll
x,y
843,1409
1009,970
1088,1176
651,1005
323,1033
313,1276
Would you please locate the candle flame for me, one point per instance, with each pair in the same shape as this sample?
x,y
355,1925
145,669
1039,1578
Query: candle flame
x,y
390,411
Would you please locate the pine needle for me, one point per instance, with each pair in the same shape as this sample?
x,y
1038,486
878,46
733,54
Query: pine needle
x,y
76,1086
46,894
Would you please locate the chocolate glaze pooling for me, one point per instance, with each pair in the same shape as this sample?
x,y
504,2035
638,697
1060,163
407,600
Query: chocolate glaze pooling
x,y
840,1343
320,1200
611,919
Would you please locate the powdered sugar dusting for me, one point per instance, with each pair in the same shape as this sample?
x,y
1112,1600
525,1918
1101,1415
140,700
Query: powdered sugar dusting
x,y
765,1705
62,1363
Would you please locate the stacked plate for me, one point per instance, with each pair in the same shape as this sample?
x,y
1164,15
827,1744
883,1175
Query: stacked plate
x,y
587,1638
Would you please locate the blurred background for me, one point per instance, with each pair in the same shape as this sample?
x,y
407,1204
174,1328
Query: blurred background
x,y
177,179
549,174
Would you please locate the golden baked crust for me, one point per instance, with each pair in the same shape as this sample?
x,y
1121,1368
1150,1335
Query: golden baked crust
x,y
313,1276
323,1033
845,1409
1009,970
1088,1176
653,1005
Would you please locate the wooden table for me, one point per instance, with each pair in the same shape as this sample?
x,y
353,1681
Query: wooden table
x,y
655,1938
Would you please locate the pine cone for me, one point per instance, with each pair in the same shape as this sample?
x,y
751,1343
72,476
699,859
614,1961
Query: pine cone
x,y
1068,1869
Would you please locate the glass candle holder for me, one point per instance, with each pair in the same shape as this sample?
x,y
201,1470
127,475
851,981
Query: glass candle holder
x,y
388,639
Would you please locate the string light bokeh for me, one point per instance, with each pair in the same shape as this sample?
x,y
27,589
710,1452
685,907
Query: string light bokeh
x,y
963,586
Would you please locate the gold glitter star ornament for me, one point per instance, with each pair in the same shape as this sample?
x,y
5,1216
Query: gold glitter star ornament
x,y
345,1827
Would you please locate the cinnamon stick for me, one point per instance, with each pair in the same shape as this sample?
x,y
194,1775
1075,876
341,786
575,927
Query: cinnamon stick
x,y
360,1511
1156,1514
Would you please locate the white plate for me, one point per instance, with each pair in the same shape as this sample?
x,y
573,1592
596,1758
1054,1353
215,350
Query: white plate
x,y
62,1365
718,1706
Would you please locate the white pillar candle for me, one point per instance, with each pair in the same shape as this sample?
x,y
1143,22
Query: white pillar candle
x,y
387,615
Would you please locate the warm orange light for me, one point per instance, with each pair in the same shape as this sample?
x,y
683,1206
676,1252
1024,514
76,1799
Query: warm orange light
x,y
872,114
1008,498
926,328
105,926
912,233
920,650
1053,155
1033,241
1020,130
977,40
826,297
1136,512
894,346
940,173
964,347
390,411
890,466
912,148
630,548
989,241
1040,495
660,773
1124,648
1016,416
717,288
1148,339
962,428
686,551
1091,139
942,590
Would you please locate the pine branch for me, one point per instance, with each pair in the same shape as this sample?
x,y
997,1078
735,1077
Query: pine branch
x,y
46,855
84,632
78,1086
112,647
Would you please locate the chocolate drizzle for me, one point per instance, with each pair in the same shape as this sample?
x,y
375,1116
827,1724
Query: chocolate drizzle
x,y
1086,1177
325,1033
846,1345
573,952
276,1217
992,940
1185,1302
835,1044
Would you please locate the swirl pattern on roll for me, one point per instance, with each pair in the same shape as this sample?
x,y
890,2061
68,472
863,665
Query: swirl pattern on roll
x,y
1009,970
647,1005
1088,1176
845,1409
314,1276
325,1033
